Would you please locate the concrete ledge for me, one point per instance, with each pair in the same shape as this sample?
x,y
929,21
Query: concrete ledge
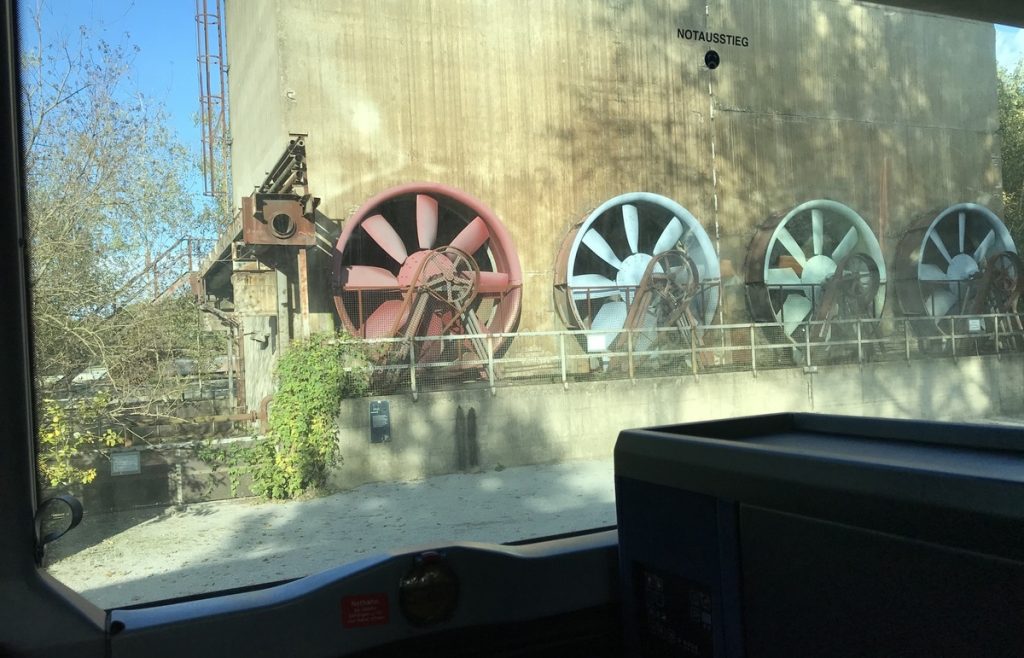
x,y
547,423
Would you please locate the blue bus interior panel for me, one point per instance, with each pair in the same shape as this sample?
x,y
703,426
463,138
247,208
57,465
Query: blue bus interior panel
x,y
809,535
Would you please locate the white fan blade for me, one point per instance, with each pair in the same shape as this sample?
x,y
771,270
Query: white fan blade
x,y
669,237
962,221
794,310
941,247
930,272
817,230
982,251
593,286
631,222
591,281
939,303
781,276
845,245
790,244
611,317
600,246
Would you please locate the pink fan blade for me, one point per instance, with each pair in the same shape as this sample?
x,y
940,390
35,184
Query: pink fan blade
x,y
492,282
385,322
471,238
426,220
362,277
384,235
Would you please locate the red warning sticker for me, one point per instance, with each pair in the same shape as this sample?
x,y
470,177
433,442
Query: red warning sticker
x,y
364,610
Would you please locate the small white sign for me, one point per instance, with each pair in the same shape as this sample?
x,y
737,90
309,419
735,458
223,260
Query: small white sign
x,y
125,462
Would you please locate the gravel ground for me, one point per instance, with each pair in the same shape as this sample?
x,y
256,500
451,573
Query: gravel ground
x,y
147,555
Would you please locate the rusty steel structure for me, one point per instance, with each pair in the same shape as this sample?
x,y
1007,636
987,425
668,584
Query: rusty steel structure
x,y
282,211
166,273
428,260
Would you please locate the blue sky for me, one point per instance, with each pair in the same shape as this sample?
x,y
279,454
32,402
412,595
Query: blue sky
x,y
1009,46
164,30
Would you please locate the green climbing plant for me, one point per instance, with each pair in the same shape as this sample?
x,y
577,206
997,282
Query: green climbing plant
x,y
301,444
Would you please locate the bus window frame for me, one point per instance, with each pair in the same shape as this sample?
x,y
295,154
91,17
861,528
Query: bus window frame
x,y
39,615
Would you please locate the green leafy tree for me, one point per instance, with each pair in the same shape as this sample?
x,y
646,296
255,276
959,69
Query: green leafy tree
x,y
65,430
1011,132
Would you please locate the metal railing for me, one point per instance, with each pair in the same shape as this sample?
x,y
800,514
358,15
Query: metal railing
x,y
448,362
166,273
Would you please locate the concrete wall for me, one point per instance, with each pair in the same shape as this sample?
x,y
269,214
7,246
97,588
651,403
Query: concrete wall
x,y
469,430
256,90
545,110
535,424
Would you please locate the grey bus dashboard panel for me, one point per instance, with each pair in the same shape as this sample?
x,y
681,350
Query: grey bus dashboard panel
x,y
804,535
556,594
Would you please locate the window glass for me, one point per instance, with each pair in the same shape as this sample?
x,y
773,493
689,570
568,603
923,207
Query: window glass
x,y
319,280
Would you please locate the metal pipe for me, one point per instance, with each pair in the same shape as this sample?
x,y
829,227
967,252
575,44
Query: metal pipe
x,y
629,354
860,346
231,363
240,401
561,356
753,352
303,290
412,370
807,345
693,352
952,335
490,363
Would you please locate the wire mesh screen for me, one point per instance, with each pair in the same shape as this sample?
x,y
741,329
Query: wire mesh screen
x,y
773,348
661,352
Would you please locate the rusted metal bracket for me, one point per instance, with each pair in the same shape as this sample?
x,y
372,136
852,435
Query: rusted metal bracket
x,y
282,211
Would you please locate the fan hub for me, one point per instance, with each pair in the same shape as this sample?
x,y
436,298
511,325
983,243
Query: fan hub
x,y
961,268
818,270
411,268
633,268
